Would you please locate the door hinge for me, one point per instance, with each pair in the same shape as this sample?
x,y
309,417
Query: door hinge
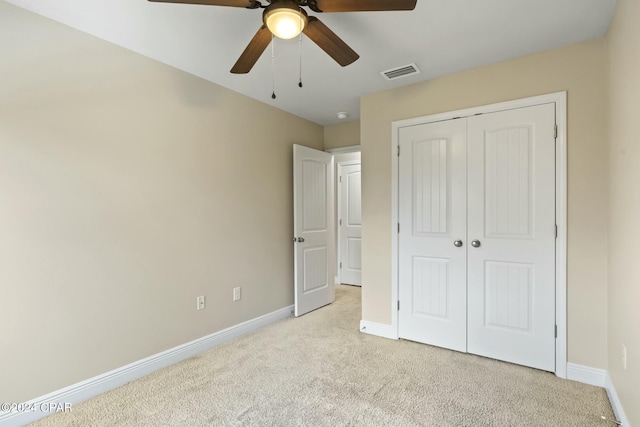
x,y
556,331
555,131
340,265
398,151
398,228
340,222
556,231
398,305
340,179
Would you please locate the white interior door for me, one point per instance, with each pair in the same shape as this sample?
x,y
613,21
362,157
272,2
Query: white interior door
x,y
476,244
314,253
432,215
511,274
350,225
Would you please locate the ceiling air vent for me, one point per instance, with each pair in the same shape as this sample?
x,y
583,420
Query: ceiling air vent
x,y
404,71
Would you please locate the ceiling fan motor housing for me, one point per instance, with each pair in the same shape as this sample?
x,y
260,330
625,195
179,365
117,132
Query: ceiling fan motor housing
x,y
285,18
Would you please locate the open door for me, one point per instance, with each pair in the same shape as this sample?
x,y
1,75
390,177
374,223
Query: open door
x,y
313,228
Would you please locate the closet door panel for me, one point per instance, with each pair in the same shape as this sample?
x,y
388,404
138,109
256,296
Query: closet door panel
x,y
432,216
511,265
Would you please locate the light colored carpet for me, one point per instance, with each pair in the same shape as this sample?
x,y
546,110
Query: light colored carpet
x,y
319,370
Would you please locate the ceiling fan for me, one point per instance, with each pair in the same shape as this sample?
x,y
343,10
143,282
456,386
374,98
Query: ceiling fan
x,y
286,19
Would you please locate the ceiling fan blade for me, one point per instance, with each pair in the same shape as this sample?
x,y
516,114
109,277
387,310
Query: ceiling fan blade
x,y
252,52
249,4
364,5
328,41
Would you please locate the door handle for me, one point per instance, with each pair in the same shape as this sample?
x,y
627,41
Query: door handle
x,y
457,243
475,243
300,239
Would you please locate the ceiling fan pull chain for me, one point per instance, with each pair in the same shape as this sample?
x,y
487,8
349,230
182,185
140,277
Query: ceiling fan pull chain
x,y
273,67
300,43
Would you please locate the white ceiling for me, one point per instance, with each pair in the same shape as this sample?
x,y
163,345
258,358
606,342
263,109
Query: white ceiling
x,y
440,36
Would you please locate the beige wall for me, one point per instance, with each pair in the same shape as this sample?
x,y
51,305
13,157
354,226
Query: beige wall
x,y
342,135
624,205
127,189
580,70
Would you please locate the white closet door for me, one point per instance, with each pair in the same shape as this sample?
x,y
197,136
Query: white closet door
x,y
432,214
511,203
350,225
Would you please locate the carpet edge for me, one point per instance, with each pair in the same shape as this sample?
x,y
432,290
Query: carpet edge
x,y
615,401
42,406
599,378
378,329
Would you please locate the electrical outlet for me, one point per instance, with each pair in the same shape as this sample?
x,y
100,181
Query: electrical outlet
x,y
200,303
236,293
624,357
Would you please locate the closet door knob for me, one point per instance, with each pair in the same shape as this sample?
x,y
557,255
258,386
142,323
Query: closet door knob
x,y
475,243
457,243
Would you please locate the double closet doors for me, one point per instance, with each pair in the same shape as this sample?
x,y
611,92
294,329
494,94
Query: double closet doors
x,y
477,235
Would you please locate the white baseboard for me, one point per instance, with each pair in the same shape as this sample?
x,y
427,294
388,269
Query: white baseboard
x,y
615,402
378,329
79,392
586,374
600,378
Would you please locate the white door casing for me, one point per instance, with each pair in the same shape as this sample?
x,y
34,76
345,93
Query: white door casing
x,y
432,214
506,280
313,213
350,224
511,205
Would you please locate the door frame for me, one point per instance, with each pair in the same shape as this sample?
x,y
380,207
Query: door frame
x,y
560,99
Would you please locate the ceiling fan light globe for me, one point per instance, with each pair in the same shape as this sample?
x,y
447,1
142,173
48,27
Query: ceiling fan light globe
x,y
285,23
